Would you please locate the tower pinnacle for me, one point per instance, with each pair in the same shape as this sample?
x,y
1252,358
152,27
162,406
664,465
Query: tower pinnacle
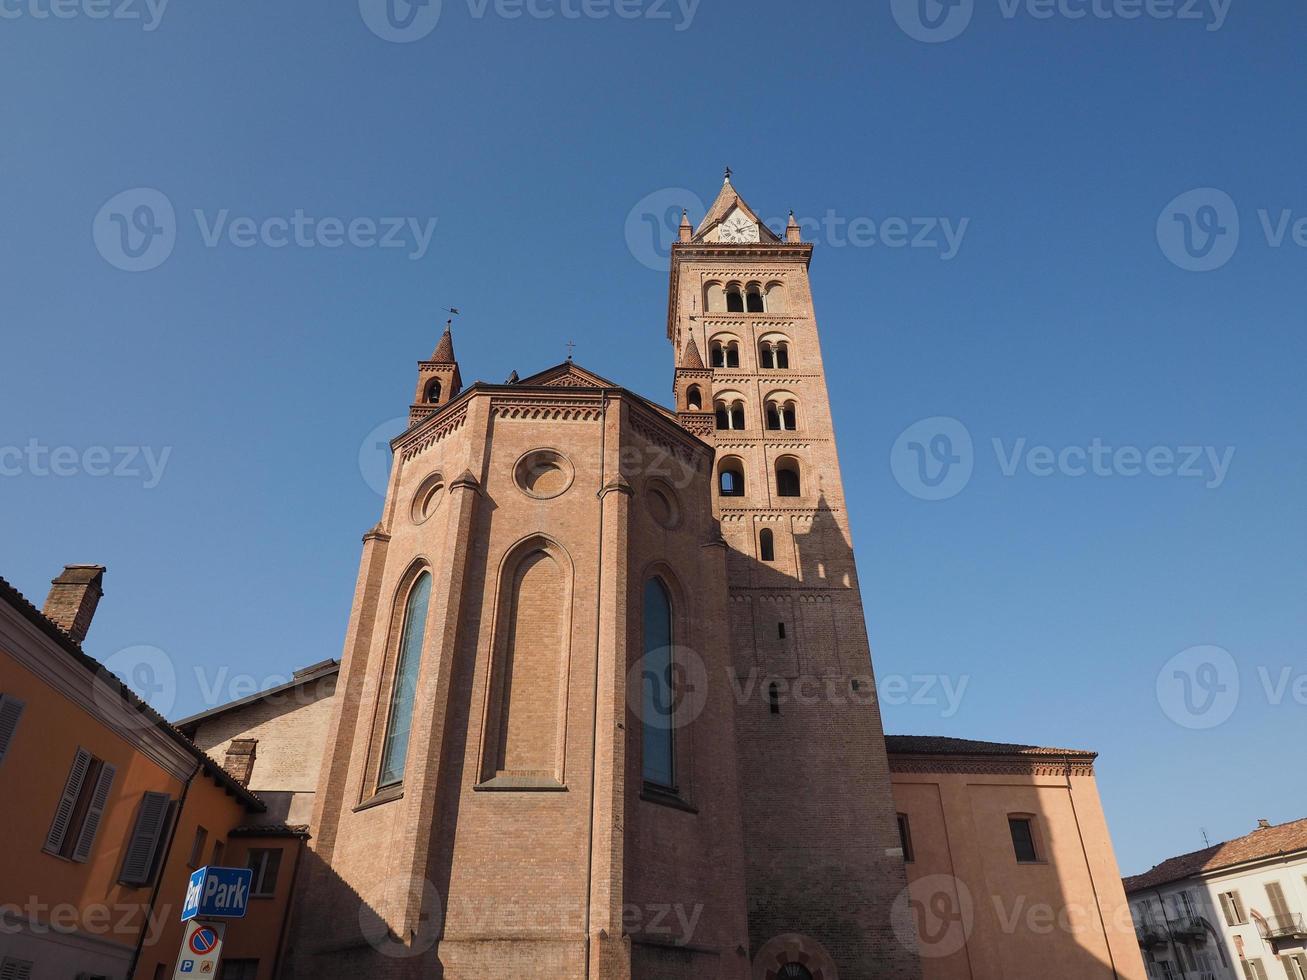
x,y
444,353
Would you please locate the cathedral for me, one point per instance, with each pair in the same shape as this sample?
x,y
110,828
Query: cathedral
x,y
564,741
605,711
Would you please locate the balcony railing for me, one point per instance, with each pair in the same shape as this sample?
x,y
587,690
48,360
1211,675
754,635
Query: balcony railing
x,y
1283,927
1189,929
1151,935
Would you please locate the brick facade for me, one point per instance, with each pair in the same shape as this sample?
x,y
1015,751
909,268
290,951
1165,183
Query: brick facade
x,y
499,810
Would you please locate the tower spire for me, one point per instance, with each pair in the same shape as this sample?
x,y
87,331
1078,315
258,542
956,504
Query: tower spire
x,y
444,353
438,378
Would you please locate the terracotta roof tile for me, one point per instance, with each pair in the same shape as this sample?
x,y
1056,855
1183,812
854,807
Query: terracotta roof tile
x,y
52,630
1264,842
943,745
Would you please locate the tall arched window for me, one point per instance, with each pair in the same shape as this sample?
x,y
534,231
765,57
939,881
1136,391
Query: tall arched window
x,y
730,478
527,675
753,299
766,545
408,662
693,399
715,298
782,355
658,680
717,354
734,299
433,391
787,477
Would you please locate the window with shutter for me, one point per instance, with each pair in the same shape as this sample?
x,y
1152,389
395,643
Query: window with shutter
x,y
63,814
11,969
11,709
1275,895
94,812
1233,908
147,836
1253,970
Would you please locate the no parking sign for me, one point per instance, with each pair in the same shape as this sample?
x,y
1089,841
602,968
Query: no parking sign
x,y
201,949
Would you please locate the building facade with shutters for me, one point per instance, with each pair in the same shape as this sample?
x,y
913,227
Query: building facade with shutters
x,y
105,809
1233,911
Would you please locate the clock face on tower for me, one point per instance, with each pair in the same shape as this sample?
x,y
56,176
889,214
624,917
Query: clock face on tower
x,y
738,228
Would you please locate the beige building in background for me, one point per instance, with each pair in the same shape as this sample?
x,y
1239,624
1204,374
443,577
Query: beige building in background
x,y
272,741
1233,911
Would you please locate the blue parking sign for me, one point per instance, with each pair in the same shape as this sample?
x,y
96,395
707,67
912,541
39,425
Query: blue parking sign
x,y
218,893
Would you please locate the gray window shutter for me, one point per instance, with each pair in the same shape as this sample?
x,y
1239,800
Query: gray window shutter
x,y
68,802
151,822
91,825
15,969
11,709
1275,894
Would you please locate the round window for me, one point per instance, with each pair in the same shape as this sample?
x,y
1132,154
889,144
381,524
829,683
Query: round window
x,y
543,473
428,497
662,506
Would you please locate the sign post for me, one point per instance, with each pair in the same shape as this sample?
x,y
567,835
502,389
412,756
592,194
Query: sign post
x,y
211,893
201,951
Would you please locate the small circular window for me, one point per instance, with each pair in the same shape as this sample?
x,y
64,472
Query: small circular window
x,y
428,497
543,473
662,506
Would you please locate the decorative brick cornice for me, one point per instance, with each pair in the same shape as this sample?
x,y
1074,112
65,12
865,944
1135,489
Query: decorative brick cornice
x,y
430,432
701,424
669,434
996,766
544,408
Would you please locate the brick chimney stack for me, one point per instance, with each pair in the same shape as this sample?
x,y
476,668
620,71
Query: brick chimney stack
x,y
1263,824
73,598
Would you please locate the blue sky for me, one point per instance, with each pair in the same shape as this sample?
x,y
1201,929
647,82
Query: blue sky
x,y
1062,319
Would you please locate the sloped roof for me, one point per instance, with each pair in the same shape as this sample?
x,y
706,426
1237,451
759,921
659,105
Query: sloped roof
x,y
52,630
306,675
1264,842
943,745
569,374
727,201
693,359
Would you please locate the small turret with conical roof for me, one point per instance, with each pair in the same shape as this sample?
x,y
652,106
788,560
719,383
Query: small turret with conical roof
x,y
439,381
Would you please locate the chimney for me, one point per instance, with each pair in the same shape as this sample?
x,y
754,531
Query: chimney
x,y
73,598
240,759
1263,824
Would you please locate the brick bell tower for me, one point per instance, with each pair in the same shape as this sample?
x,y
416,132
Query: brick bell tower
x,y
823,858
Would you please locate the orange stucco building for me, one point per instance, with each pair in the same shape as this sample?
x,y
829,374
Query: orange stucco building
x,y
1011,872
105,809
